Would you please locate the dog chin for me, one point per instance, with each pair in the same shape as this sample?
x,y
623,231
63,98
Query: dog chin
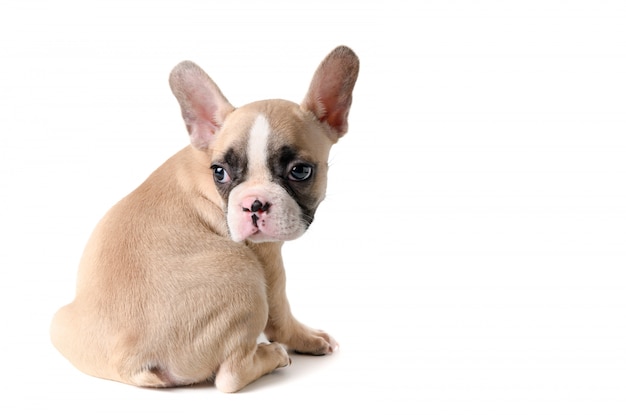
x,y
258,236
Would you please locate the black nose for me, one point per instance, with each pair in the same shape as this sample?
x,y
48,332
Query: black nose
x,y
257,206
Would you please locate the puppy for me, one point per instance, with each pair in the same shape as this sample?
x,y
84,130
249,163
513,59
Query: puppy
x,y
182,276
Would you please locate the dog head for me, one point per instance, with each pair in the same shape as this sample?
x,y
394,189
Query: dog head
x,y
268,158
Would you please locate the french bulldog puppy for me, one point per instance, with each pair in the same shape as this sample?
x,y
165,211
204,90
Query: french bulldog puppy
x,y
182,276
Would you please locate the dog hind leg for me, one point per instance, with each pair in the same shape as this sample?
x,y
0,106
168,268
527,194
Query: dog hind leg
x,y
237,371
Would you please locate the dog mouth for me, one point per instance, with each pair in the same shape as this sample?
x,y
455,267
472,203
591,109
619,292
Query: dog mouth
x,y
261,228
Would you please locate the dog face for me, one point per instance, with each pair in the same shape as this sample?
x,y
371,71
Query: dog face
x,y
268,158
269,166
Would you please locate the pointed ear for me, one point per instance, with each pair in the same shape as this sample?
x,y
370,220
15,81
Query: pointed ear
x,y
202,104
330,93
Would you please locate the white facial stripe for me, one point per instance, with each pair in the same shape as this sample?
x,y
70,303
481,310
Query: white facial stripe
x,y
257,147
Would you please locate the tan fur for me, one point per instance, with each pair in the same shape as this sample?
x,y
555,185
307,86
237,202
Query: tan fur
x,y
164,297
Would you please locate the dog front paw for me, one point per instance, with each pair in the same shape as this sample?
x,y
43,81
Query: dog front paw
x,y
314,342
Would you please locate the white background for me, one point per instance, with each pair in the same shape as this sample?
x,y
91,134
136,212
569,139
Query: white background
x,y
470,256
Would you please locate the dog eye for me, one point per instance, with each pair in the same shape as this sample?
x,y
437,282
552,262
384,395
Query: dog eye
x,y
300,172
220,174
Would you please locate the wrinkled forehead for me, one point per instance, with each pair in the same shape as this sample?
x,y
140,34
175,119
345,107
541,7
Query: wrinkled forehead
x,y
267,127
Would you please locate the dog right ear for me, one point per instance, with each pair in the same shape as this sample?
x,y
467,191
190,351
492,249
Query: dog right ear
x,y
203,106
330,93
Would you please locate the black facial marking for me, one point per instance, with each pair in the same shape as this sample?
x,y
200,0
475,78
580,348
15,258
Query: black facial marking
x,y
236,166
237,162
281,163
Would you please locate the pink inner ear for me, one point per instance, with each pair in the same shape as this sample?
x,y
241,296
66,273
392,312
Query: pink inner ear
x,y
203,106
338,116
203,114
201,121
202,134
330,93
333,102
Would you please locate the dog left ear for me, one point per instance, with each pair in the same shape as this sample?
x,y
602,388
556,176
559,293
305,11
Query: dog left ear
x,y
203,106
330,93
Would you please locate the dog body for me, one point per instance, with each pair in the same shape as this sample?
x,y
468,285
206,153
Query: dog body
x,y
181,277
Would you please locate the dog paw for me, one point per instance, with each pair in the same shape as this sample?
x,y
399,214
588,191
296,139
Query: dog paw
x,y
283,360
314,342
281,354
